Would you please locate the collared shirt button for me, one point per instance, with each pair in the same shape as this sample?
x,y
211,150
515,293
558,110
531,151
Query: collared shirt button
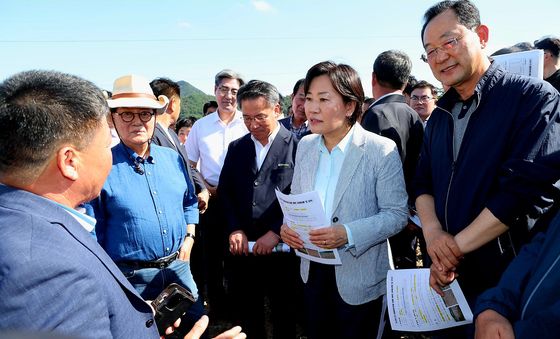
x,y
149,323
335,219
256,183
154,192
167,249
254,203
164,231
160,212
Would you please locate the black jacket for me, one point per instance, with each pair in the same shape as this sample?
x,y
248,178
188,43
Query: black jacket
x,y
161,139
247,194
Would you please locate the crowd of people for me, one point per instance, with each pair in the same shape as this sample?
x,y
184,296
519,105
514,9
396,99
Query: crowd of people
x,y
106,198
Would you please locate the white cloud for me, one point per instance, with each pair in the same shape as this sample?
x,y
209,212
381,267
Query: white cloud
x,y
262,6
184,24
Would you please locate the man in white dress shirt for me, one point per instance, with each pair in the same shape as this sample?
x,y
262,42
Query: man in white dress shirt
x,y
207,146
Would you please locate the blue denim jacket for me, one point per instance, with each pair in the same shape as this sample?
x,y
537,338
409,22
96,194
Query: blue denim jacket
x,y
142,212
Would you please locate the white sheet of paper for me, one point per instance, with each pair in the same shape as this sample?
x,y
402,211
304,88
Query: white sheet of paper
x,y
302,213
415,307
530,63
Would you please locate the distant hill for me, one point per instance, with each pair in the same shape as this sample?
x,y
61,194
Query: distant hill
x,y
188,89
192,100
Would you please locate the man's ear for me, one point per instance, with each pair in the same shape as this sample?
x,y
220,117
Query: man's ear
x,y
171,106
68,162
277,110
483,34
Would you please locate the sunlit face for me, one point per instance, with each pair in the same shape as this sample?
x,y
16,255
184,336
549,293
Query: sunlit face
x,y
423,102
260,118
226,95
211,110
298,102
325,109
137,133
460,64
96,162
183,133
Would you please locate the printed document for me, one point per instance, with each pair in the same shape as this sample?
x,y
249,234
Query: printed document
x,y
415,307
302,213
530,63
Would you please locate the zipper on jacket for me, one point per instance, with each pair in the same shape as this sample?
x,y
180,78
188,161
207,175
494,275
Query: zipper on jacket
x,y
452,167
447,195
453,151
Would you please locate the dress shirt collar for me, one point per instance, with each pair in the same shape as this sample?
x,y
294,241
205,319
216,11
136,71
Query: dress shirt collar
x,y
384,96
238,117
134,158
87,222
342,144
262,150
270,137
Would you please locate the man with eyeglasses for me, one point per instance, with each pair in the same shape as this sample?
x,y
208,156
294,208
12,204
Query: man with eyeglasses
x,y
255,166
423,99
207,146
147,209
551,47
485,174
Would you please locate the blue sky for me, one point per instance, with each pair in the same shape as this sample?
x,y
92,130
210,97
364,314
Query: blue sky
x,y
275,41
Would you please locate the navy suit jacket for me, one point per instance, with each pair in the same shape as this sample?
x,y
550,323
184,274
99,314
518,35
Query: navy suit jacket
x,y
160,138
54,276
247,194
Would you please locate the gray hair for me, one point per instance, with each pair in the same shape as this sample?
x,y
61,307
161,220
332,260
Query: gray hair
x,y
255,89
227,74
41,110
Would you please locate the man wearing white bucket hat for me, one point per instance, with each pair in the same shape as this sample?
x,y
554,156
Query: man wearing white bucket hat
x,y
147,210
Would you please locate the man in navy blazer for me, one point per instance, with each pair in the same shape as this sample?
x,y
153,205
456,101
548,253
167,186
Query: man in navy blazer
x,y
255,165
56,154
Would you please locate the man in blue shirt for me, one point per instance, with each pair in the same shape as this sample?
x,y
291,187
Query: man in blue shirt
x,y
147,210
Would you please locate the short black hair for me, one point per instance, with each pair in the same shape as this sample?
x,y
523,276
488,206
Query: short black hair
x,y
297,85
466,12
409,84
207,105
425,84
255,89
392,69
550,44
184,122
165,86
42,110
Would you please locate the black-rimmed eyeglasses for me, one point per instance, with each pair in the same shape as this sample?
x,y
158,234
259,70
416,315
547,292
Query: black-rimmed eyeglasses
x,y
144,116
